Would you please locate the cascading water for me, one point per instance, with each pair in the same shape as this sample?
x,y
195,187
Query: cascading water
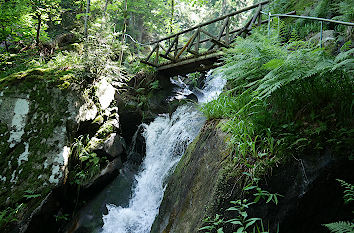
x,y
166,140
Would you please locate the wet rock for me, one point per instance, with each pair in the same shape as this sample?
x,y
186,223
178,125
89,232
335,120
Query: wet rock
x,y
114,145
105,93
88,111
104,177
192,186
206,180
328,38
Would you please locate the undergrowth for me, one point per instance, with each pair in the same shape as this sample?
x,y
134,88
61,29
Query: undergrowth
x,y
280,102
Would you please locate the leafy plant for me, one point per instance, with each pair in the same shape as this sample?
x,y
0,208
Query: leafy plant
x,y
29,194
8,215
214,224
62,217
87,163
343,226
242,220
340,227
348,192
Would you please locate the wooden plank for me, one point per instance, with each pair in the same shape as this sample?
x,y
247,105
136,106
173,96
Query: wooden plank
x,y
157,55
220,43
152,51
260,16
191,43
185,47
167,57
171,46
176,47
223,28
227,33
197,43
214,40
208,34
148,63
212,21
207,40
193,60
162,48
221,32
254,18
193,52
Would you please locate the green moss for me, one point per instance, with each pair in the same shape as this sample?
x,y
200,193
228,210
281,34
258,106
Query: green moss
x,y
47,111
106,129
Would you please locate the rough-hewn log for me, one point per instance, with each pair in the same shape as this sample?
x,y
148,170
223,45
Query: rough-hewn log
x,y
186,45
212,21
255,17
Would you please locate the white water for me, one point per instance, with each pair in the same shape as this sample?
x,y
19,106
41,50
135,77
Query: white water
x,y
166,141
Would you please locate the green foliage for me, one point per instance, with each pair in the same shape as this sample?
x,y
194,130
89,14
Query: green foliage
x,y
304,28
345,8
340,227
348,192
343,226
11,13
87,163
9,215
242,220
154,85
62,217
282,101
213,224
29,194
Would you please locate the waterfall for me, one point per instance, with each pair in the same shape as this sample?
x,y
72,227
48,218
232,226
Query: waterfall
x,y
166,141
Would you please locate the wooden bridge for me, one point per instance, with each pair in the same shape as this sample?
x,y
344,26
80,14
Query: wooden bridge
x,y
202,50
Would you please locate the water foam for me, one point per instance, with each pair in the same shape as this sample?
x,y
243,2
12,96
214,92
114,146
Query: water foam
x,y
166,140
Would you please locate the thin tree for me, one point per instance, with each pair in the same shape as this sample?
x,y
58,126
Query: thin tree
x,y
124,30
86,18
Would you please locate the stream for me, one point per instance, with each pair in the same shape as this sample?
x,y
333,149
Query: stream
x,y
134,197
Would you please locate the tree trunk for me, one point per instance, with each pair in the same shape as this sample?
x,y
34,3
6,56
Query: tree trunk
x,y
172,14
124,31
140,25
223,7
6,46
86,17
39,19
105,7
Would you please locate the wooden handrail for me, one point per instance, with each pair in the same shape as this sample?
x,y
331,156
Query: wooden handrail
x,y
212,21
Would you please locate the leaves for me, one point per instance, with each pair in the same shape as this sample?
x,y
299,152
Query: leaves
x,y
340,227
29,194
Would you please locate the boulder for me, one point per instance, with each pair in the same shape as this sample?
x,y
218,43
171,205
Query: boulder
x,y
328,38
105,93
114,145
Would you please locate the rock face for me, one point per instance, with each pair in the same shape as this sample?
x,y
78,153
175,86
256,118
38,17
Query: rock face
x,y
38,124
193,186
206,180
33,131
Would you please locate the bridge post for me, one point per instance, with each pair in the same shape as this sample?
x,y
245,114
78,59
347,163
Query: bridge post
x,y
157,54
227,39
176,47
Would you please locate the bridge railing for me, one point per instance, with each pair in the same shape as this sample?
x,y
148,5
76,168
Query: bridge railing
x,y
172,49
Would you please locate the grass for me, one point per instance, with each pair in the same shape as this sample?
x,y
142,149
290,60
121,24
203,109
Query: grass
x,y
281,101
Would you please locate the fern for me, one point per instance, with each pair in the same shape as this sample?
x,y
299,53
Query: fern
x,y
348,192
340,227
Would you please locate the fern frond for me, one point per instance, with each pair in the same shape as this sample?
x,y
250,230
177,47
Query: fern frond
x,y
348,192
344,55
340,227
